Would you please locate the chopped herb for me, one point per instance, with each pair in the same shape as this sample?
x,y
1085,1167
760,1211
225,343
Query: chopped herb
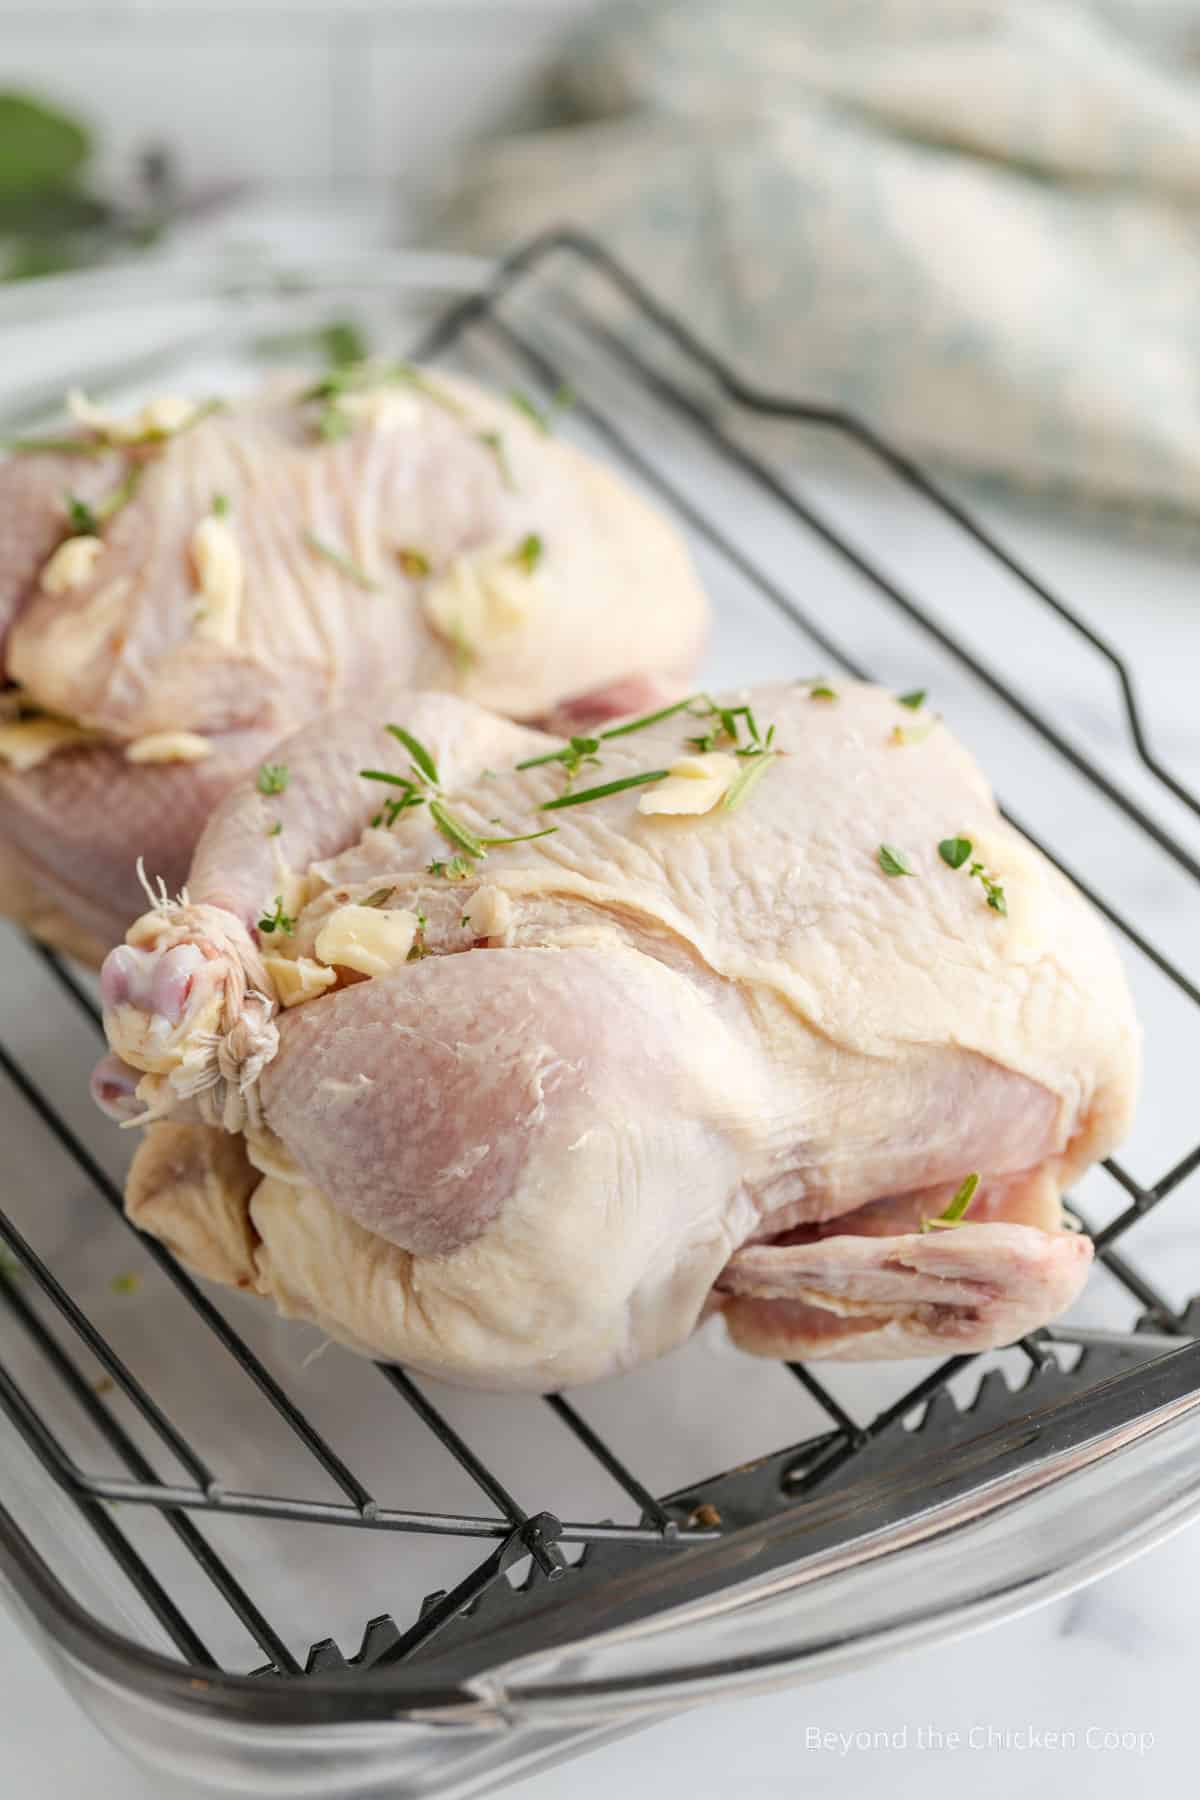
x,y
527,838
54,446
528,552
273,778
418,752
334,423
913,734
914,700
664,712
278,920
494,441
571,755
409,374
747,778
220,506
86,520
343,343
821,690
954,851
465,922
83,520
455,832
955,1213
893,861
341,562
457,869
532,411
125,1284
414,563
605,788
400,781
275,829
380,897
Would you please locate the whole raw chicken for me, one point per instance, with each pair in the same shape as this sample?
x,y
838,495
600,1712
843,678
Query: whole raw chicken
x,y
185,587
735,1035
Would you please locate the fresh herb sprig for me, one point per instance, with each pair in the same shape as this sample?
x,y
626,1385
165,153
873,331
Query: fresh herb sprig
x,y
88,519
893,861
344,564
423,786
277,920
273,778
955,853
956,1212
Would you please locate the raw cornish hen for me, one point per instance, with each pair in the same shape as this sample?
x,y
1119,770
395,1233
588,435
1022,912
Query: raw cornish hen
x,y
522,1111
188,586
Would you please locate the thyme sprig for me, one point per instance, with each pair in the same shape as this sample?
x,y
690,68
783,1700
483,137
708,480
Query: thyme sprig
x,y
955,852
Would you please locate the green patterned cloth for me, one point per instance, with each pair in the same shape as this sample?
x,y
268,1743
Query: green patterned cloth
x,y
975,222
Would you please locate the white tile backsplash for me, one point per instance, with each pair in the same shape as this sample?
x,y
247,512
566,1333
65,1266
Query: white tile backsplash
x,y
310,92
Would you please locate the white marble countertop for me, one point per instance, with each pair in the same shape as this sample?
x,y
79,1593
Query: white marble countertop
x,y
1108,1669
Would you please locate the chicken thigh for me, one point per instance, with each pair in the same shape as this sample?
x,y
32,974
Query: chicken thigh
x,y
736,1034
182,589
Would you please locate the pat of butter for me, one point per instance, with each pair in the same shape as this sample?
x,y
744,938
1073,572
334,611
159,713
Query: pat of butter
x,y
299,979
484,598
28,742
390,407
165,413
169,747
367,939
220,577
71,565
693,785
488,912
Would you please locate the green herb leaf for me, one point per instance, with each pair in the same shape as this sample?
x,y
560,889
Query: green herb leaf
x,y
532,412
605,788
494,441
749,778
528,838
54,446
414,563
273,778
893,861
652,718
457,869
955,1212
572,754
220,506
341,562
528,552
380,897
125,1284
275,829
83,520
418,752
343,343
995,896
455,832
914,700
821,690
334,423
277,920
954,851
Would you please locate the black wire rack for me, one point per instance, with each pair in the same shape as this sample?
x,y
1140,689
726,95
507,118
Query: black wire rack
x,y
705,398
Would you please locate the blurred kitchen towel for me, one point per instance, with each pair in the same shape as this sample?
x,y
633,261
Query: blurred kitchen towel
x,y
973,222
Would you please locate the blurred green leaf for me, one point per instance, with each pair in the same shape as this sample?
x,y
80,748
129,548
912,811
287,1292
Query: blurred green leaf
x,y
40,147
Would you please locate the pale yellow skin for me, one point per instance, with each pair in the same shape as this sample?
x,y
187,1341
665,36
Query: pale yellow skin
x,y
679,1040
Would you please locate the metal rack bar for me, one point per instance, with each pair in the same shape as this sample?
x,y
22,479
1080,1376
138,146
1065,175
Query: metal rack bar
x,y
197,1546
608,1459
241,1352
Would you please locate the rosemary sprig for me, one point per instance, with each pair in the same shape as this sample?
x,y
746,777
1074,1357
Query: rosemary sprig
x,y
606,787
418,752
748,778
343,563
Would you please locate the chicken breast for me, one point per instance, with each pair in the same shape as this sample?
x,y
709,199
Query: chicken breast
x,y
230,573
731,1037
